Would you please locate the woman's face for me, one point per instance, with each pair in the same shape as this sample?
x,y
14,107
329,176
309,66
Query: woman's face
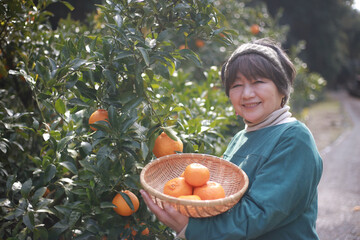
x,y
254,99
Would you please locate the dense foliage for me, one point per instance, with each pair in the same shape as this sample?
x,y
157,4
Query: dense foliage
x,y
57,176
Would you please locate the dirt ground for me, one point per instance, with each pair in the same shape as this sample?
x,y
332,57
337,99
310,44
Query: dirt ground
x,y
335,124
327,120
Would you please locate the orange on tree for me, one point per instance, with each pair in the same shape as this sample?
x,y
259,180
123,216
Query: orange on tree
x,y
196,174
177,187
210,191
98,115
46,193
183,46
199,43
164,145
122,208
144,232
255,29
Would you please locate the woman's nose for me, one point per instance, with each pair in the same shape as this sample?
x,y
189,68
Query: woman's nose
x,y
248,91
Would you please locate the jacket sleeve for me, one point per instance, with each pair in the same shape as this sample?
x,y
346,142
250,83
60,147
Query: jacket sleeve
x,y
283,187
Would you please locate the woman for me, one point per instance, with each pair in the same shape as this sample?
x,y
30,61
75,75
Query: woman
x,y
277,152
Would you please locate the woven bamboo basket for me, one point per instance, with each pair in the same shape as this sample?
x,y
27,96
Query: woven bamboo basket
x,y
233,179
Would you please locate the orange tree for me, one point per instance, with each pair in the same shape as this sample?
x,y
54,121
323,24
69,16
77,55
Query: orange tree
x,y
59,177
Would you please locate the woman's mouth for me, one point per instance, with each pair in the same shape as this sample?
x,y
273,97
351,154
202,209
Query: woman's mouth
x,y
250,105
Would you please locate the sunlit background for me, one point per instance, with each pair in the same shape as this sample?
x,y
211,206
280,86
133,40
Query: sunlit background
x,y
356,4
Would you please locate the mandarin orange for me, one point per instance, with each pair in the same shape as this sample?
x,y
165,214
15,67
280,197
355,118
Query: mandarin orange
x,y
196,174
177,187
164,145
122,208
98,115
190,197
144,232
199,43
210,191
255,29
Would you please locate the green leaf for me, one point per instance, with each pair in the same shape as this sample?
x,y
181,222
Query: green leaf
x,y
60,106
70,166
26,187
86,147
38,193
28,220
40,233
50,172
152,140
187,53
14,214
162,71
145,55
112,113
128,123
171,133
63,142
78,102
106,205
127,200
68,5
57,229
132,104
74,217
3,146
76,63
144,150
123,54
110,76
103,154
118,20
63,210
106,48
102,125
9,182
132,180
86,91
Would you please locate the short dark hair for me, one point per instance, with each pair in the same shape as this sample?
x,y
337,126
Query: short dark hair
x,y
253,65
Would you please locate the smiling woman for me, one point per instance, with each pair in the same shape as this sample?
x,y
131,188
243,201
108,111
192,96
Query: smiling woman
x,y
254,99
277,152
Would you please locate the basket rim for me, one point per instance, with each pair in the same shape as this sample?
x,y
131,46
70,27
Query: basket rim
x,y
203,203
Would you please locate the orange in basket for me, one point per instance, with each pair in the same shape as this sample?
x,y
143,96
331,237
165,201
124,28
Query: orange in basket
x,y
196,174
210,191
158,172
177,187
190,197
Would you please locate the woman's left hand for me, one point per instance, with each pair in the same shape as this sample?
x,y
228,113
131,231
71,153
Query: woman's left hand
x,y
169,216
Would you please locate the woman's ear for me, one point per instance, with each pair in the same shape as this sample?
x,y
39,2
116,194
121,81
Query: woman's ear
x,y
283,101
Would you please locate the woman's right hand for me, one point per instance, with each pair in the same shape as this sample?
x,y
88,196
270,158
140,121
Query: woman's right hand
x,y
168,216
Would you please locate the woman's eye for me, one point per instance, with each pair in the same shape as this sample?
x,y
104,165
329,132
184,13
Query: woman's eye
x,y
236,85
258,81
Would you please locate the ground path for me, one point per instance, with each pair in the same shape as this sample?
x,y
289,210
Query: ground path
x,y
339,188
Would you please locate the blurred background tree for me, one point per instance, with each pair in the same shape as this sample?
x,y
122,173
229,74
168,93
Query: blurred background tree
x,y
330,30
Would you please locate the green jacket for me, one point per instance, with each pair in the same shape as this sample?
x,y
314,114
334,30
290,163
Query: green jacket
x,y
284,169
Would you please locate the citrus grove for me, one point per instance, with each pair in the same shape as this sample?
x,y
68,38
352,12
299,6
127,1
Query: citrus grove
x,y
85,106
